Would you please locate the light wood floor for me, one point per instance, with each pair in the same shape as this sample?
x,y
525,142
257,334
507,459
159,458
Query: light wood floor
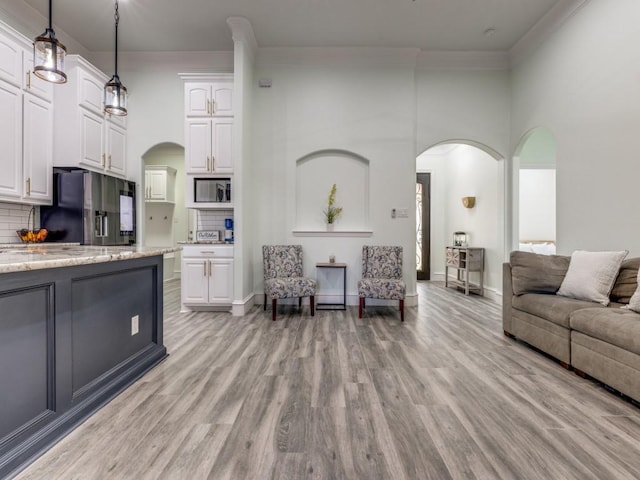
x,y
444,395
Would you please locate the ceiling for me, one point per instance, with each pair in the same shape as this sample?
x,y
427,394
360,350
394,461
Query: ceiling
x,y
200,25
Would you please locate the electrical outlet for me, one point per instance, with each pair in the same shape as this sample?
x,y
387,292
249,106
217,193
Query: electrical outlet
x,y
403,212
135,325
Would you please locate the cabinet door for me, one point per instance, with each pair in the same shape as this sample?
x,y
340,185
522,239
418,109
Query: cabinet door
x,y
156,185
11,142
198,146
222,158
197,99
38,150
116,150
222,94
221,281
91,140
195,282
91,92
10,60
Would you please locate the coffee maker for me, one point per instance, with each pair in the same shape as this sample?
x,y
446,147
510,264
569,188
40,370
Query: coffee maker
x,y
228,229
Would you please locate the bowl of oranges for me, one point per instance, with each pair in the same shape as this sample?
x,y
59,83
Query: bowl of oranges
x,y
32,235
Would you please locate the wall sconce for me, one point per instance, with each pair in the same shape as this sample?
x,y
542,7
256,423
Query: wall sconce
x,y
469,202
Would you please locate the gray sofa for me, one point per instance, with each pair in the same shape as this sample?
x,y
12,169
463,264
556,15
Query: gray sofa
x,y
603,342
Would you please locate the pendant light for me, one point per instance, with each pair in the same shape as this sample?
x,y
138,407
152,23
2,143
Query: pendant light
x,y
115,94
48,55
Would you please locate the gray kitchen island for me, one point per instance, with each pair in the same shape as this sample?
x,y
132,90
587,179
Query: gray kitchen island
x,y
78,325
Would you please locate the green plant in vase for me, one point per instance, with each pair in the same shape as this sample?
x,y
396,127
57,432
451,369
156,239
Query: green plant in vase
x,y
332,212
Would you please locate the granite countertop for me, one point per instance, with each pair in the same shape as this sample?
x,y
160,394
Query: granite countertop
x,y
20,257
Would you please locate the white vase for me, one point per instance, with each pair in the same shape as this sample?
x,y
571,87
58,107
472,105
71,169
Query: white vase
x,y
330,227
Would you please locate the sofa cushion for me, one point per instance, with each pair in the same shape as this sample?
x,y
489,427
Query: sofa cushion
x,y
619,327
591,275
533,273
553,308
626,282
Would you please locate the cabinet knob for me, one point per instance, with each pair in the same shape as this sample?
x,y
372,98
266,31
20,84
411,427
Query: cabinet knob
x,y
109,161
103,159
213,106
213,164
29,186
29,79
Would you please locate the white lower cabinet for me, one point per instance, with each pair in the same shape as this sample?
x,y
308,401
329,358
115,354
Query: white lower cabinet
x,y
207,276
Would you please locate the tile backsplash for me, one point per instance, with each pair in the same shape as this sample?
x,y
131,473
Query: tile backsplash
x,y
14,216
212,219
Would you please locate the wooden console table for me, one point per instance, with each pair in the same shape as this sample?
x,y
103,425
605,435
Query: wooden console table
x,y
465,260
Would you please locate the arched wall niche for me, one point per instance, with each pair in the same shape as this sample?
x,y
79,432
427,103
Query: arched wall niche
x,y
316,172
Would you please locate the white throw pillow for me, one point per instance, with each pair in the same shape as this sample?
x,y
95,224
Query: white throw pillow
x,y
591,275
634,303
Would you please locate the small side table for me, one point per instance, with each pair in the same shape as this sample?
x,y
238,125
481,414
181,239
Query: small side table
x,y
335,306
465,260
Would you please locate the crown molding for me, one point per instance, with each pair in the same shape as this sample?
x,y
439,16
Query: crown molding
x,y
338,56
550,22
454,60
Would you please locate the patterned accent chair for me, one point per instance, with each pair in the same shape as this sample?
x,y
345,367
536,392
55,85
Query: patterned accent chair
x,y
283,276
381,276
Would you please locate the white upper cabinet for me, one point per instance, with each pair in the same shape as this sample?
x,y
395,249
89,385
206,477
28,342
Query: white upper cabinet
x,y
10,59
160,184
85,136
11,141
209,145
209,98
26,124
38,153
116,150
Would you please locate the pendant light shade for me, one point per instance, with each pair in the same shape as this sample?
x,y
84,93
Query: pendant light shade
x,y
115,97
115,94
49,54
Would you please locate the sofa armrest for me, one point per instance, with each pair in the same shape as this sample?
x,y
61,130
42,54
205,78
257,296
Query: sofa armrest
x,y
507,298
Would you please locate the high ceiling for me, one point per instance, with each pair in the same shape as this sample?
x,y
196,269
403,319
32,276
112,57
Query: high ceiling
x,y
200,25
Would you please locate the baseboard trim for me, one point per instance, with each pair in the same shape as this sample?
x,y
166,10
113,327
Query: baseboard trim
x,y
240,307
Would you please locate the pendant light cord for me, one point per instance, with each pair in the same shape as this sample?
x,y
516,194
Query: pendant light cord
x,y
50,15
116,16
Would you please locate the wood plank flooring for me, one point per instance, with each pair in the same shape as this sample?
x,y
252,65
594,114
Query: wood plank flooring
x,y
443,395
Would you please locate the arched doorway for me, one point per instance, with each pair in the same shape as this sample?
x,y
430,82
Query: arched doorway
x,y
165,221
535,191
465,168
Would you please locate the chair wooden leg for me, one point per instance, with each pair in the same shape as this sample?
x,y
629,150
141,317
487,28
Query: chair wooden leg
x,y
299,302
360,307
312,303
402,310
274,308
265,302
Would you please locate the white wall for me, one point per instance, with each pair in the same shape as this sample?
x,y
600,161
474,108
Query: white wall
x,y
365,110
583,85
537,204
458,172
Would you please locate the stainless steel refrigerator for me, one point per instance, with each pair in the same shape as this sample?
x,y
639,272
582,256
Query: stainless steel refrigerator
x,y
90,208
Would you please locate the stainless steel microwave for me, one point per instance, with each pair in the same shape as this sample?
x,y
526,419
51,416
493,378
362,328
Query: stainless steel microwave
x,y
211,190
